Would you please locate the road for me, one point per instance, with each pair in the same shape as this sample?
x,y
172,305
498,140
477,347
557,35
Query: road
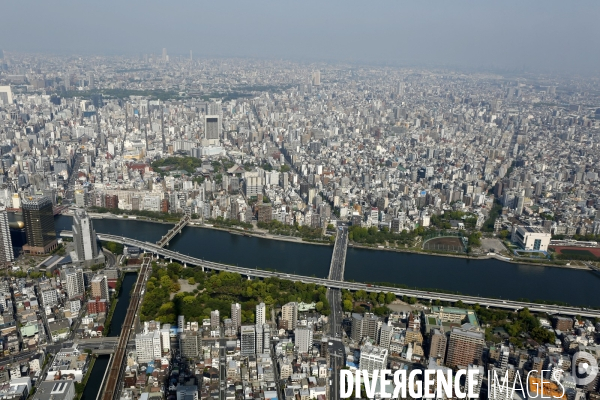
x,y
354,286
111,259
72,179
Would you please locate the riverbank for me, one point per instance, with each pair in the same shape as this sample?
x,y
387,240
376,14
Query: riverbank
x,y
293,239
468,257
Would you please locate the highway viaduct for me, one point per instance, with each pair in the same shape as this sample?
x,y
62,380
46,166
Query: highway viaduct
x,y
353,286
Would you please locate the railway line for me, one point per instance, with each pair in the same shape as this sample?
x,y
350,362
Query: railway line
x,y
114,377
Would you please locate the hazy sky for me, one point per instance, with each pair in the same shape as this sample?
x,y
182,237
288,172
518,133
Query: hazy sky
x,y
543,34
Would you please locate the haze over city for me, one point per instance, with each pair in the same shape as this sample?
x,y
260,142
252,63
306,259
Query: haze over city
x,y
548,36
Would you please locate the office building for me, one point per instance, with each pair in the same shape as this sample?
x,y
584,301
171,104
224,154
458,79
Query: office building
x,y
212,127
266,338
75,282
187,392
6,251
236,316
38,217
190,344
148,346
49,298
55,390
531,237
464,347
303,339
5,96
289,316
100,287
84,237
373,358
437,345
259,337
367,325
385,336
260,314
180,323
214,319
247,340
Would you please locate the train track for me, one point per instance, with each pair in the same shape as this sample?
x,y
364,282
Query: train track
x,y
116,367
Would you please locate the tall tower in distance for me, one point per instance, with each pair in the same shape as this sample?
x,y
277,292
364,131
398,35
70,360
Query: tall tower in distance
x,y
165,57
316,78
6,251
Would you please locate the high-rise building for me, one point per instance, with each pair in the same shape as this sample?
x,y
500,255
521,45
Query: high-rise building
x,y
367,325
236,316
214,319
6,251
260,314
100,287
316,78
75,282
259,337
212,127
289,316
49,298
5,95
247,340
464,347
303,338
165,57
373,358
84,236
437,345
266,338
38,217
147,346
190,344
385,336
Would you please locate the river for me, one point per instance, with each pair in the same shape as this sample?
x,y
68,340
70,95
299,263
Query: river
x,y
92,387
490,277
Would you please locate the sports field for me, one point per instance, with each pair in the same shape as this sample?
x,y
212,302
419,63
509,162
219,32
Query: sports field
x,y
578,252
453,244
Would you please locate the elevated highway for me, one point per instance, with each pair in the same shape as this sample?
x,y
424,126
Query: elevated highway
x,y
329,283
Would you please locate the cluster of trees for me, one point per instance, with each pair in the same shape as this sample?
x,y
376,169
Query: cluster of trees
x,y
305,232
443,221
589,237
474,239
488,225
188,164
157,302
115,248
516,324
373,235
217,291
379,301
228,223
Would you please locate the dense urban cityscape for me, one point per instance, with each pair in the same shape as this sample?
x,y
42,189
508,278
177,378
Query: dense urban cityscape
x,y
441,163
